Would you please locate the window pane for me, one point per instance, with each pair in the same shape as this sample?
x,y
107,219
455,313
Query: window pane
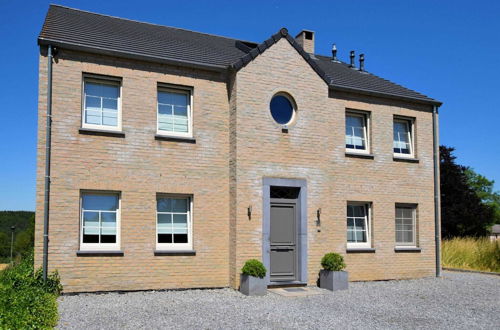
x,y
359,224
164,238
408,236
180,238
92,89
164,204
110,91
350,236
399,237
108,223
359,210
361,236
164,223
100,202
180,223
180,205
173,98
110,104
91,219
90,238
350,211
350,224
93,117
109,118
355,132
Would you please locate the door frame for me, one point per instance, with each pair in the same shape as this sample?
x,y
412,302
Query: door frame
x,y
301,244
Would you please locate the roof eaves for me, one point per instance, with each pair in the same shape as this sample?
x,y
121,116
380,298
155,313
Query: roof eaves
x,y
130,55
385,95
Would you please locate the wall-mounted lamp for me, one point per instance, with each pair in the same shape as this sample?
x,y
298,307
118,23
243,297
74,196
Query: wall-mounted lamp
x,y
249,212
318,219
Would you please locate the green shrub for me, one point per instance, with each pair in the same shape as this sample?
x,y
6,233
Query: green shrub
x,y
333,262
26,301
471,253
255,268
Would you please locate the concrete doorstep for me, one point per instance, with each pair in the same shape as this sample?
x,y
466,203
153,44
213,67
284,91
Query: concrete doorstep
x,y
298,291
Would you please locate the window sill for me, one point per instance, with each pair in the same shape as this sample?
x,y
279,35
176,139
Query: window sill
x,y
407,160
174,252
175,138
360,250
407,249
359,155
91,131
97,253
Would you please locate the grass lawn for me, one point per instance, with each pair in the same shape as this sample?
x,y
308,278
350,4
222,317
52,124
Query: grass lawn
x,y
472,254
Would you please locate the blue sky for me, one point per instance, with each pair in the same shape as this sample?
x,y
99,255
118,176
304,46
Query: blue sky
x,y
449,50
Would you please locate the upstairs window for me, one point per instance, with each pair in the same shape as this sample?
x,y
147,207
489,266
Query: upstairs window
x,y
403,138
405,225
100,219
101,104
174,112
173,229
356,132
358,225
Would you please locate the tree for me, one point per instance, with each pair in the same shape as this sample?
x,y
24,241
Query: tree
x,y
463,213
484,190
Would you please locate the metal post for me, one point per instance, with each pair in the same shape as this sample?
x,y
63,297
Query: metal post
x,y
47,165
437,196
13,228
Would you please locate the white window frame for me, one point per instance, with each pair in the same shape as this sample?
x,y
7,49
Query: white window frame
x,y
106,81
414,224
366,123
175,246
410,123
101,246
176,89
368,226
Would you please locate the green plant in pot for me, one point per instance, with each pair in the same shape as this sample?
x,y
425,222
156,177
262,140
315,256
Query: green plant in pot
x,y
253,281
333,277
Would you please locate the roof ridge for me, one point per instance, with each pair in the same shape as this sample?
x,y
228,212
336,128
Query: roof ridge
x,y
147,23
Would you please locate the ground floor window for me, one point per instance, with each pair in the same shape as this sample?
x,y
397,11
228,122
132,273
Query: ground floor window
x,y
173,227
100,219
358,225
405,225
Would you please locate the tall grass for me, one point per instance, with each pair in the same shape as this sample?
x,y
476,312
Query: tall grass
x,y
471,253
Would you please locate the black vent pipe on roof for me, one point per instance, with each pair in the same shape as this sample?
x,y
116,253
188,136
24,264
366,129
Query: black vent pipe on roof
x,y
352,56
361,62
334,53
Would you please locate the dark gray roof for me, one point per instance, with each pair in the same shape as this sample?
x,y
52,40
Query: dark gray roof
x,y
76,29
67,26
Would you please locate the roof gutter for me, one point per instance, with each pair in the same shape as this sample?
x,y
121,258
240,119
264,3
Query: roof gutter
x,y
131,55
437,193
381,94
48,131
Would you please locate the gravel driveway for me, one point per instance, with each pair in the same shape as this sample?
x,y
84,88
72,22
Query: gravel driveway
x,y
455,301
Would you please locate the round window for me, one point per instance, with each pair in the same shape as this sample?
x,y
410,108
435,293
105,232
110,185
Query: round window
x,y
282,109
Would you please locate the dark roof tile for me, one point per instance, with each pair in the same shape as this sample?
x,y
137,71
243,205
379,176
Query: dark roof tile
x,y
78,29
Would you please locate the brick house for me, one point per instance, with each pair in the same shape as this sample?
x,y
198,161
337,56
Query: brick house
x,y
175,156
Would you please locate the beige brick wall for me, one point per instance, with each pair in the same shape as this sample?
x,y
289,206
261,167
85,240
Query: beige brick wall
x,y
237,144
138,166
314,150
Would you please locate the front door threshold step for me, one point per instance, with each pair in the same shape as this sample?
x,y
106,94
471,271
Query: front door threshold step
x,y
298,291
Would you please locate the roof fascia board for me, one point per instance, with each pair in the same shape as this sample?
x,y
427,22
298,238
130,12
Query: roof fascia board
x,y
130,55
384,95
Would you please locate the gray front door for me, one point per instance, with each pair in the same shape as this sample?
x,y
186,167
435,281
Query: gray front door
x,y
283,239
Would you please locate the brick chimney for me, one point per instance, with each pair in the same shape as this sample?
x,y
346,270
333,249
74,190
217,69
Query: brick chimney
x,y
306,39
